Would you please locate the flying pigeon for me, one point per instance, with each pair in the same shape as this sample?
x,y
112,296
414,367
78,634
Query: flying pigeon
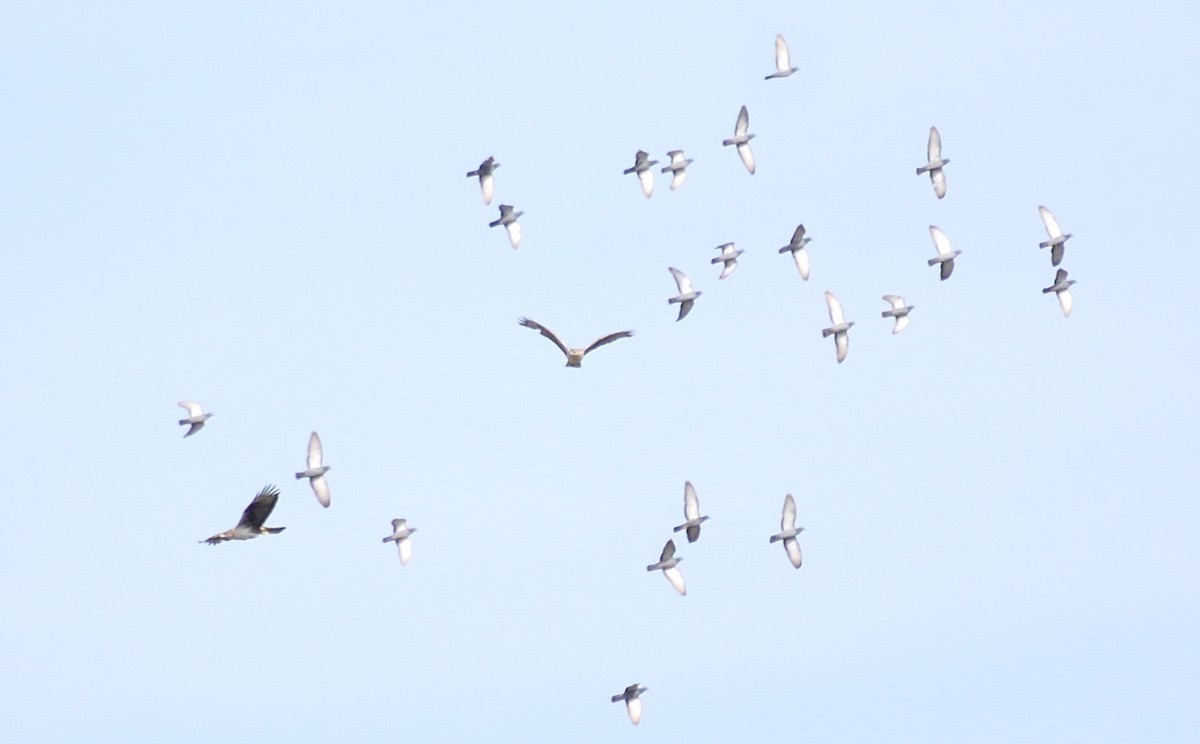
x,y
400,534
935,164
945,256
508,218
691,512
316,471
838,330
633,705
899,311
687,296
742,140
783,61
574,356
1062,288
195,418
796,248
1057,241
486,181
728,257
677,168
667,563
641,166
251,523
788,531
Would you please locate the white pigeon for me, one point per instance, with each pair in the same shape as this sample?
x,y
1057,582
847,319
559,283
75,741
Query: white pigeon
x,y
195,418
945,256
728,257
788,531
796,248
1062,288
1057,241
687,296
742,140
508,218
400,534
839,329
641,166
316,471
691,513
935,164
783,60
899,311
677,168
633,704
486,181
667,563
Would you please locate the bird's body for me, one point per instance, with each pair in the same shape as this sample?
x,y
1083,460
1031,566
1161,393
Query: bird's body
x,y
677,168
1062,288
486,180
729,257
899,311
508,218
633,703
195,418
691,513
840,328
788,531
741,139
574,356
400,534
1057,241
315,472
936,163
945,256
799,253
642,167
668,564
251,524
783,60
686,297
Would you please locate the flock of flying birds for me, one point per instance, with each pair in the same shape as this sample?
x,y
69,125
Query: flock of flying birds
x,y
253,520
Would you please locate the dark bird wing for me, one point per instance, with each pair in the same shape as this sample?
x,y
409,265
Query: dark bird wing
x,y
798,235
547,333
260,508
607,340
668,551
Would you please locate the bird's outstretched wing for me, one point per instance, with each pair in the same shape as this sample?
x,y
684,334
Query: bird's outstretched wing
x,y
783,61
314,451
798,236
260,508
607,340
681,280
668,551
1051,224
691,503
835,309
896,301
547,333
743,122
940,241
192,407
788,522
934,149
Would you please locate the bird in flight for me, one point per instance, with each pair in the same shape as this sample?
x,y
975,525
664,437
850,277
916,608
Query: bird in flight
x,y
641,166
935,164
686,297
945,256
574,356
899,311
667,563
1062,288
251,524
400,534
508,218
788,531
742,140
799,254
1057,241
783,60
729,257
195,418
839,329
316,471
677,168
691,513
486,181
633,704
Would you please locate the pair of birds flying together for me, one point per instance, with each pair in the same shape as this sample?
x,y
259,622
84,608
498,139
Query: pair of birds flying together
x,y
1056,242
508,215
642,166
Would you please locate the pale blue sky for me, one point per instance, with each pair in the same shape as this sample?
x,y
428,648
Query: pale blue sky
x,y
262,206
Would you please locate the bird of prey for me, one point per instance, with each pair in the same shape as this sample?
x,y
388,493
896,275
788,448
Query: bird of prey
x,y
667,563
633,705
1057,241
641,166
251,523
742,140
677,168
788,531
691,512
400,534
316,471
508,218
796,248
687,296
574,356
899,311
486,181
783,60
935,164
945,256
728,257
839,329
195,418
1062,288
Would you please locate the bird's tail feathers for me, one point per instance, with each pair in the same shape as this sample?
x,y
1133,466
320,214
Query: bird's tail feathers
x,y
933,262
496,223
922,169
728,142
299,476
472,173
775,538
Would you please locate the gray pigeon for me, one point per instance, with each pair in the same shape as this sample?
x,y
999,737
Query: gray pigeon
x,y
788,531
508,218
486,181
935,164
945,256
839,329
633,703
1062,288
728,257
899,311
195,418
691,512
687,296
316,471
677,168
667,563
641,166
574,356
783,60
742,140
251,524
400,534
796,248
1057,241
